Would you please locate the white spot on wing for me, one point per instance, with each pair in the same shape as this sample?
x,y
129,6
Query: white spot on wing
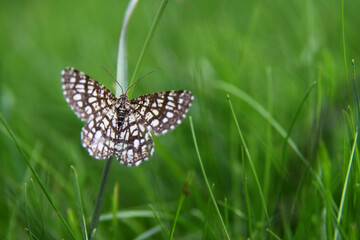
x,y
77,97
155,123
136,143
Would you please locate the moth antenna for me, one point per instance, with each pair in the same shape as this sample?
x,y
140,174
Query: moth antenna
x,y
138,80
122,90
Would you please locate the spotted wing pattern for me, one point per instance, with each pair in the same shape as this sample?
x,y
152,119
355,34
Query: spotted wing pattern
x,y
85,96
163,111
100,135
135,143
119,127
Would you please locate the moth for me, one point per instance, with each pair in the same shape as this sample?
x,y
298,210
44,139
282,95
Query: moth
x,y
118,126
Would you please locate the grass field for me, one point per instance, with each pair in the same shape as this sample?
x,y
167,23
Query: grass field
x,y
274,122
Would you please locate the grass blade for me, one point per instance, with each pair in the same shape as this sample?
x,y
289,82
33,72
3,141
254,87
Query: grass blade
x,y
206,179
293,120
38,206
250,162
184,193
147,41
262,111
121,68
344,48
273,234
132,214
246,194
181,201
25,157
343,195
27,213
99,198
157,217
149,233
78,201
115,200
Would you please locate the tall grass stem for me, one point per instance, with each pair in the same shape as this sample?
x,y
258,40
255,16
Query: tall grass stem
x,y
146,43
343,195
250,162
99,198
206,179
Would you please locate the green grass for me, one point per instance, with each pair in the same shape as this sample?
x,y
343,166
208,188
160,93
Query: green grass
x,y
280,162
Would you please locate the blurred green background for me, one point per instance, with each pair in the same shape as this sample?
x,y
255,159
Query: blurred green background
x,y
271,50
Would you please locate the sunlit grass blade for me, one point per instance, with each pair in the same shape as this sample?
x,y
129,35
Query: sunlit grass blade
x,y
184,193
78,201
146,43
293,120
133,214
206,180
149,233
250,162
343,195
42,186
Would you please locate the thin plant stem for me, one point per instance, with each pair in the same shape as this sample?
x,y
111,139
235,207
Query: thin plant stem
x,y
99,198
293,120
121,75
344,47
250,162
343,195
206,179
78,201
246,194
184,193
147,41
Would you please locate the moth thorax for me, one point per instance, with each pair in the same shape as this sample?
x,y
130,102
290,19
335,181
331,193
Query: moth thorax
x,y
122,102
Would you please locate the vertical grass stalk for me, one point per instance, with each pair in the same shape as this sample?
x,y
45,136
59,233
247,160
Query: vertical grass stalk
x,y
250,162
121,68
206,179
184,193
343,195
121,74
147,41
293,120
344,47
246,194
99,198
77,195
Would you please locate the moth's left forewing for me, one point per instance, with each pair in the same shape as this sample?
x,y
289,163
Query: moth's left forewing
x,y
163,111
